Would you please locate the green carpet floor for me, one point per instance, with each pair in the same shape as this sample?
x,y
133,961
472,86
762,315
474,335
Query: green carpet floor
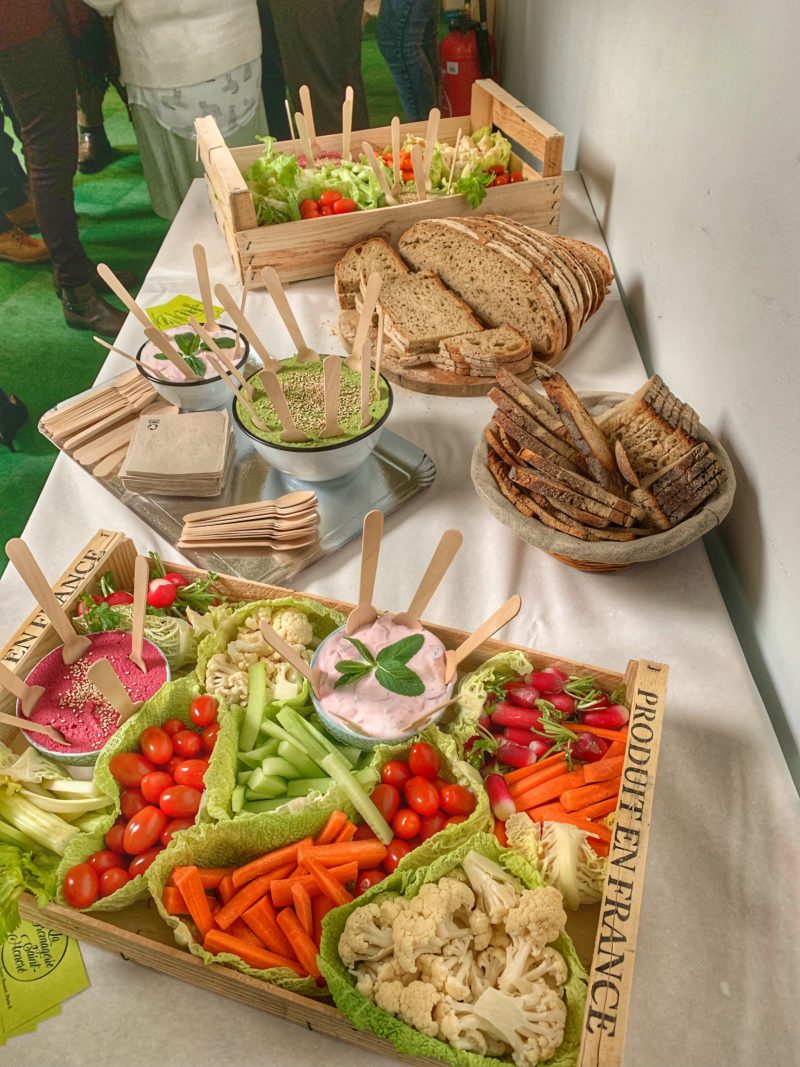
x,y
117,225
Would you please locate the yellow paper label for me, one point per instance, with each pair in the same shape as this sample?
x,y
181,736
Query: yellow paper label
x,y
178,311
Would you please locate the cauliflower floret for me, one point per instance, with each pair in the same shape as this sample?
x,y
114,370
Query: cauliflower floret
x,y
539,917
500,938
295,627
523,970
481,930
225,681
448,974
496,890
365,937
489,965
460,1027
413,1003
533,1025
371,973
438,915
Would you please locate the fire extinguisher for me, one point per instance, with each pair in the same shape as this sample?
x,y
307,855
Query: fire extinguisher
x,y
465,54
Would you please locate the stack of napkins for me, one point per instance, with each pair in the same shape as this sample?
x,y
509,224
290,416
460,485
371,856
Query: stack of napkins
x,y
179,455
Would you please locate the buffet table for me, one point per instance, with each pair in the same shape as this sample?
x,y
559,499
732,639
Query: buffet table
x,y
719,940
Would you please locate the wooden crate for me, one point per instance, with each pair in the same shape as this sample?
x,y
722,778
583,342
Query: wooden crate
x,y
310,248
604,934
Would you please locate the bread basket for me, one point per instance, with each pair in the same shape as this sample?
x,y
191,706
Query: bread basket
x,y
605,555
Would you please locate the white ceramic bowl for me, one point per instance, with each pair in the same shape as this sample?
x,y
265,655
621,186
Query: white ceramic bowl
x,y
202,395
320,463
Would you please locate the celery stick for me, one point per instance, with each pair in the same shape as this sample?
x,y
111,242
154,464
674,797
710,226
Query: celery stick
x,y
301,787
350,753
306,766
280,766
243,777
254,757
10,835
272,729
264,786
237,798
256,705
305,736
264,805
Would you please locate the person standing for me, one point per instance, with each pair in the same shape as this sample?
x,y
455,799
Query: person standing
x,y
16,210
181,60
408,37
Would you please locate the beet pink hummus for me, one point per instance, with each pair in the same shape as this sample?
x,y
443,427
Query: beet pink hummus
x,y
75,707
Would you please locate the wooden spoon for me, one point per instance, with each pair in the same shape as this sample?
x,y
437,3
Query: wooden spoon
x,y
379,352
22,723
397,183
371,294
173,355
132,359
221,355
291,433
28,569
141,577
245,327
119,290
380,173
293,658
419,172
503,615
453,164
298,499
222,370
27,695
305,140
332,369
203,280
431,135
103,677
347,121
273,283
444,555
364,613
308,115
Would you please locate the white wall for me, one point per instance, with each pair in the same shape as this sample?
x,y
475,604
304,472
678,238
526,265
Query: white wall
x,y
684,119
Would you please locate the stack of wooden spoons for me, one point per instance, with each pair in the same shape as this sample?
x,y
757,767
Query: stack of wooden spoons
x,y
291,521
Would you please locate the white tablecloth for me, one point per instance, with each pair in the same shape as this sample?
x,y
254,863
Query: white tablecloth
x,y
718,953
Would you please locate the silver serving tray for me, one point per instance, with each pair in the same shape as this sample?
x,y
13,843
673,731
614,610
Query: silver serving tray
x,y
396,471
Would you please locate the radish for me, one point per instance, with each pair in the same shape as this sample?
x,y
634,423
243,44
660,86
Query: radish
x,y
519,692
563,702
487,723
500,799
588,748
614,717
515,755
506,714
594,701
556,672
548,681
518,736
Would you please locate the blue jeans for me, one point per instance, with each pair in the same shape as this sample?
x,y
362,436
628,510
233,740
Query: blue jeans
x,y
408,37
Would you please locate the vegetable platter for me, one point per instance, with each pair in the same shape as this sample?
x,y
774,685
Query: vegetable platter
x,y
303,851
311,247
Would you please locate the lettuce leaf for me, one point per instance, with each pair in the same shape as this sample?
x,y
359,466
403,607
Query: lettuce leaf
x,y
365,1015
474,687
23,872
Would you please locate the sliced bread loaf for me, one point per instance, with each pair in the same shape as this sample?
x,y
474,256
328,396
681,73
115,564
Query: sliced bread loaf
x,y
374,254
484,353
420,311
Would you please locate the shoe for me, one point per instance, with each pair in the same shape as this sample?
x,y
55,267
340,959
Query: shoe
x,y
85,310
23,217
94,150
17,247
127,277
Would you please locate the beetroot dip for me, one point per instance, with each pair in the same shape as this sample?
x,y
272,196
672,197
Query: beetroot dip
x,y
75,707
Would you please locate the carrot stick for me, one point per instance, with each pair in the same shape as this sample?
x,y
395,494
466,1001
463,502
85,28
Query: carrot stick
x,y
603,770
320,906
616,748
599,846
331,887
264,864
545,810
500,832
546,775
347,832
303,947
191,888
541,794
261,920
609,735
240,929
582,797
302,906
248,895
226,889
521,773
365,853
173,902
209,876
281,889
595,828
216,941
598,810
327,835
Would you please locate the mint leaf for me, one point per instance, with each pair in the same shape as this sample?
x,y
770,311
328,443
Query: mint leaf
x,y
362,648
225,342
196,364
401,651
188,343
349,677
351,666
401,680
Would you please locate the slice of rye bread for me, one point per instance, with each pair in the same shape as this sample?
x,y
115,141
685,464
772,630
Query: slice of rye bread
x,y
419,311
589,253
590,265
688,483
500,344
475,370
606,502
493,283
555,488
531,433
651,445
582,430
654,397
624,465
374,254
500,445
536,405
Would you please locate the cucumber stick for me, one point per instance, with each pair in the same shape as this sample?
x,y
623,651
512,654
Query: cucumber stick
x,y
280,766
306,766
301,787
257,700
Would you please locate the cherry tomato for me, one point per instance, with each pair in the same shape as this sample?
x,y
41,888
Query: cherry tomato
x,y
386,799
177,579
344,206
112,880
406,823
115,599
131,802
496,168
396,772
431,824
203,710
80,886
173,827
502,179
422,796
173,763
154,784
156,745
209,737
187,744
440,783
140,863
173,726
128,768
308,207
104,860
364,833
144,829
114,838
179,801
396,851
516,176
423,760
457,800
454,819
191,772
329,197
326,209
161,593
82,609
367,879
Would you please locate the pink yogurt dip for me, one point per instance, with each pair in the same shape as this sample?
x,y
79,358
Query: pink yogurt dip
x,y
378,712
75,707
151,357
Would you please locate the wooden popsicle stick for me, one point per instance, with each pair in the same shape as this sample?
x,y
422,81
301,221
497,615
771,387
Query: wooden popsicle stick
x,y
29,571
221,354
380,173
419,723
397,182
370,299
223,373
379,353
444,555
21,723
332,370
366,382
364,613
172,354
103,677
453,164
273,283
27,695
119,290
100,425
272,387
98,449
500,617
291,127
347,121
245,327
141,578
431,135
129,357
204,281
419,172
305,143
293,658
308,114
110,464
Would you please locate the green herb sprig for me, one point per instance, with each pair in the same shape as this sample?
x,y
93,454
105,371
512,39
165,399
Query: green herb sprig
x,y
189,344
390,666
